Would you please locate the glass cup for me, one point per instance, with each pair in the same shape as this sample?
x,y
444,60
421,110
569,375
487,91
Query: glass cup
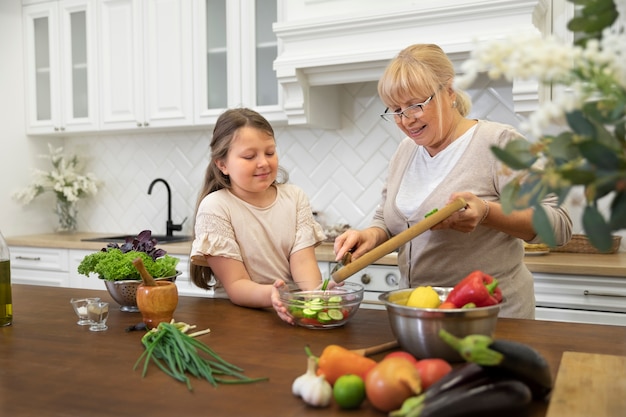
x,y
80,308
98,312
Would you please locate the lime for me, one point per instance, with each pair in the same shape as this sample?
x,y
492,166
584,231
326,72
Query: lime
x,y
424,297
349,391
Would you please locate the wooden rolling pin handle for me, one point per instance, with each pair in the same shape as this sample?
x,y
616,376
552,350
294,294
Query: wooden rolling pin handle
x,y
398,240
145,275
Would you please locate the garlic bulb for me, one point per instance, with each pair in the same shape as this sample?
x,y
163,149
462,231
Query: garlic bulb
x,y
313,389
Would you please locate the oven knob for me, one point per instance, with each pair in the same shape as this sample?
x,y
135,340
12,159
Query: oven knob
x,y
366,279
391,279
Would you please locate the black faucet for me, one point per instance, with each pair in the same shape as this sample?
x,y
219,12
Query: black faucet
x,y
170,226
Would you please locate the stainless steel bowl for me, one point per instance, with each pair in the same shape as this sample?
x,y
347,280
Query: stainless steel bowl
x,y
417,329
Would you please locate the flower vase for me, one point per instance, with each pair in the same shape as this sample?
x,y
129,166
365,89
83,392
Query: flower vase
x,y
67,211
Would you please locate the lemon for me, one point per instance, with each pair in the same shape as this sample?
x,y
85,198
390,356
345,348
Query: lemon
x,y
349,391
424,297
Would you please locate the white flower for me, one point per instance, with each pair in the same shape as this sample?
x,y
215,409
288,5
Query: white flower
x,y
64,180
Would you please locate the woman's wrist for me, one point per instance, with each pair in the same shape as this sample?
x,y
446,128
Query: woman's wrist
x,y
485,213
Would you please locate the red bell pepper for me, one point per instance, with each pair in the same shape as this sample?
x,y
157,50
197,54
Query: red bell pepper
x,y
478,288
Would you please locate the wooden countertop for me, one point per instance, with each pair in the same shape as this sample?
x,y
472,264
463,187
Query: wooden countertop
x,y
612,265
53,367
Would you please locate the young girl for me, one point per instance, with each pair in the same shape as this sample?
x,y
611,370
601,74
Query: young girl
x,y
253,232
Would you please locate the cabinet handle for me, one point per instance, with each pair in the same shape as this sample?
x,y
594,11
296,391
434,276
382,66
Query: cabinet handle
x,y
604,294
146,124
28,258
366,279
138,124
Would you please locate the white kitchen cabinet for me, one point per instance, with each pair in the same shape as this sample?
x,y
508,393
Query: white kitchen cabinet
x,y
39,266
60,62
77,280
234,51
580,298
145,49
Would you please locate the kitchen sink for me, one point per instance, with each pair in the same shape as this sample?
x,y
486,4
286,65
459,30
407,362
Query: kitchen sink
x,y
122,238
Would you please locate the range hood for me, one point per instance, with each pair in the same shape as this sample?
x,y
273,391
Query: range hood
x,y
317,54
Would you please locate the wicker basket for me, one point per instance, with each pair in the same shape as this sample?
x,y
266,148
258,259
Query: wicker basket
x,y
580,244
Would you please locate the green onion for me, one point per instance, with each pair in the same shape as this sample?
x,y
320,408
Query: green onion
x,y
178,354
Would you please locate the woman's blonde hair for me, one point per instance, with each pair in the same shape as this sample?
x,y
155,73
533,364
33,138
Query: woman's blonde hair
x,y
226,127
420,70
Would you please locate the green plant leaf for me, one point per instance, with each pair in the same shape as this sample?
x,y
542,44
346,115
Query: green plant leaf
x,y
562,148
516,154
618,211
594,23
620,133
592,7
599,155
579,124
598,231
542,226
603,111
508,196
578,176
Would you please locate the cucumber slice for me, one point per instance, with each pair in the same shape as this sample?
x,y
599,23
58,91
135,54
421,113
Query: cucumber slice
x,y
335,314
335,299
309,313
323,317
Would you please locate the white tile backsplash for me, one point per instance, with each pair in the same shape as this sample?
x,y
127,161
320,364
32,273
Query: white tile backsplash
x,y
341,170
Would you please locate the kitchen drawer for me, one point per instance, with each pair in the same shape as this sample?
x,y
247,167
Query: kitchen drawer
x,y
577,292
39,259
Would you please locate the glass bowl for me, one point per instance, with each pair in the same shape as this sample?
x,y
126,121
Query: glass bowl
x,y
318,309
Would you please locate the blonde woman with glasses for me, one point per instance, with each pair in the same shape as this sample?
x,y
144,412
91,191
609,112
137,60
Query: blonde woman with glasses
x,y
447,155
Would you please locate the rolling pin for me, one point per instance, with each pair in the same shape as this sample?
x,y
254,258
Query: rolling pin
x,y
398,240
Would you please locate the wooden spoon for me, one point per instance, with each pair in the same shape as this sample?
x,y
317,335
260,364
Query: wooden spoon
x,y
145,275
372,350
398,240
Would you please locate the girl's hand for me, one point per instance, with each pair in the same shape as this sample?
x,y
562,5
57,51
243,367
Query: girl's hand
x,y
280,308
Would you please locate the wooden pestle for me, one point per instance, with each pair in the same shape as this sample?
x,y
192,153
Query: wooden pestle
x,y
145,275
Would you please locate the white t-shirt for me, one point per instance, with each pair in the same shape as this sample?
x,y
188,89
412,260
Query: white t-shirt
x,y
426,172
263,238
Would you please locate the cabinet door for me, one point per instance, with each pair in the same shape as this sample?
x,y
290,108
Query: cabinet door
x,y
168,94
146,62
121,56
60,67
78,65
234,54
40,24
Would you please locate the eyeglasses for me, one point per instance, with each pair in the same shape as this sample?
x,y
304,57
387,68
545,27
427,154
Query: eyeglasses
x,y
415,110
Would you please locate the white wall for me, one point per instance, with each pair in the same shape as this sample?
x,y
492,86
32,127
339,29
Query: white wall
x,y
17,152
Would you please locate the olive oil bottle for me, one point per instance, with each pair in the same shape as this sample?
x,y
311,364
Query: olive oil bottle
x,y
6,304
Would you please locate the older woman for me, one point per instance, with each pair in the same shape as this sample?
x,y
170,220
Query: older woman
x,y
444,156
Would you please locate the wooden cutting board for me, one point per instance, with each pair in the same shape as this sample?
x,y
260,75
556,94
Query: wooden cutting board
x,y
589,385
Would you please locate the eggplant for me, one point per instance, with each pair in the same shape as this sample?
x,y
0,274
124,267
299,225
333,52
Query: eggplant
x,y
505,358
465,376
526,364
506,397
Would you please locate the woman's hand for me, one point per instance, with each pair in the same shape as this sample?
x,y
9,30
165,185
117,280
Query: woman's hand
x,y
468,219
278,305
359,241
